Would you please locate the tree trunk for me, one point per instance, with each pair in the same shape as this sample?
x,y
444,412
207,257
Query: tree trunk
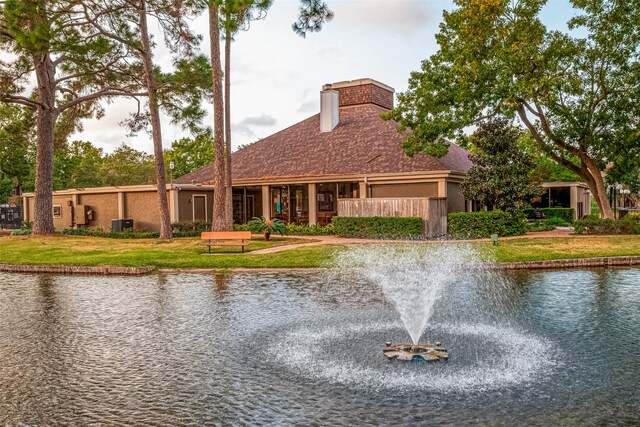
x,y
156,131
588,169
46,120
596,185
218,222
227,127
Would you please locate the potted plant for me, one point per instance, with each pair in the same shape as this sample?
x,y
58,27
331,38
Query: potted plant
x,y
267,226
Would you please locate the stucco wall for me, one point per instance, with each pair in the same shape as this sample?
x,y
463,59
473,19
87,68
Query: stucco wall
x,y
142,208
426,189
104,207
455,199
66,217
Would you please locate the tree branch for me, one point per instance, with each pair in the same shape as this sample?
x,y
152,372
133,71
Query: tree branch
x,y
98,94
547,130
15,99
538,138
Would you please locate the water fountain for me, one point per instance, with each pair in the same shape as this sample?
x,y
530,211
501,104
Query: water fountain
x,y
413,277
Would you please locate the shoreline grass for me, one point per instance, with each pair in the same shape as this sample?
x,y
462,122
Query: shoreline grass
x,y
185,253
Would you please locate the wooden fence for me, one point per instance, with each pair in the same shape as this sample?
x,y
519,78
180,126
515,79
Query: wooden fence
x,y
432,210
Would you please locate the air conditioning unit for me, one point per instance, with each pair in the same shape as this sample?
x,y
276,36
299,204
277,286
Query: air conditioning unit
x,y
120,225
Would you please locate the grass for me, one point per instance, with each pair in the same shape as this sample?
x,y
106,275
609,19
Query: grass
x,y
178,253
188,253
546,248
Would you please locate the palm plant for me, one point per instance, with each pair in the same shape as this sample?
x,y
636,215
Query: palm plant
x,y
267,226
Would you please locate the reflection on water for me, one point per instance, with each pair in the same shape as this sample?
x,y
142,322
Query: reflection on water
x,y
536,348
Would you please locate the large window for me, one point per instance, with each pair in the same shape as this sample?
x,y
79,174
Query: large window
x,y
290,203
348,190
560,197
247,203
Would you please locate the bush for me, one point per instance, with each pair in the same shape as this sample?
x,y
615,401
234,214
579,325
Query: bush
x,y
99,232
24,230
476,225
547,224
626,225
241,227
378,227
189,226
21,232
564,213
310,230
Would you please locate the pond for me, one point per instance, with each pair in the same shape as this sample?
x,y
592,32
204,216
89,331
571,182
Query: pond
x,y
541,348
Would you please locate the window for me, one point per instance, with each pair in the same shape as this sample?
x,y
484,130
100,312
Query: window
x,y
57,211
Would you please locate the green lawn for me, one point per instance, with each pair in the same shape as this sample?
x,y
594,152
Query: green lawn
x,y
537,249
179,253
188,253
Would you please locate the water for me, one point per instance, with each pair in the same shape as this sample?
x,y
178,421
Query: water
x,y
537,348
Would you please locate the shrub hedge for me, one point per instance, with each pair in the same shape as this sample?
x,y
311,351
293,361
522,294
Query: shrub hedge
x,y
378,227
626,225
565,213
476,225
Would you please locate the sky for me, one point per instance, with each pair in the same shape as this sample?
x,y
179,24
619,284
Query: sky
x,y
276,76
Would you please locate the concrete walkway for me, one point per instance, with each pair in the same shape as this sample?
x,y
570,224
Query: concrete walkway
x,y
336,240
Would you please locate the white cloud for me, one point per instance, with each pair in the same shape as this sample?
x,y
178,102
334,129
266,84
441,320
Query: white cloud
x,y
246,126
401,17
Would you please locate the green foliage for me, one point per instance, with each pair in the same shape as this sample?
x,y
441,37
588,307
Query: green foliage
x,y
626,225
188,226
541,226
271,226
189,154
312,14
378,227
128,166
499,177
21,232
310,230
17,154
127,234
477,225
578,96
566,214
24,230
546,169
548,224
241,227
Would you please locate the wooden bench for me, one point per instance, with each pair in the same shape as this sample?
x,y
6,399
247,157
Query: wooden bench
x,y
225,238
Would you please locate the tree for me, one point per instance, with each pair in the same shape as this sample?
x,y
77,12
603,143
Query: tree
x,y
128,166
238,15
545,170
78,165
313,13
579,97
500,176
189,154
127,21
16,148
73,67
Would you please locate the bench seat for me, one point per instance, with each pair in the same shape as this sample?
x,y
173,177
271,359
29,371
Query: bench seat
x,y
225,238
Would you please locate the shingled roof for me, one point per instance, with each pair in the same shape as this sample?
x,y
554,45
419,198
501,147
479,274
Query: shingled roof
x,y
361,144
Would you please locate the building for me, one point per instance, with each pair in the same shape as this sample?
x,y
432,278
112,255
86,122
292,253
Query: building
x,y
574,195
346,152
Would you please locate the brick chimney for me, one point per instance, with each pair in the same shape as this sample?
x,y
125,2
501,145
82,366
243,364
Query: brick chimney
x,y
364,91
329,114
